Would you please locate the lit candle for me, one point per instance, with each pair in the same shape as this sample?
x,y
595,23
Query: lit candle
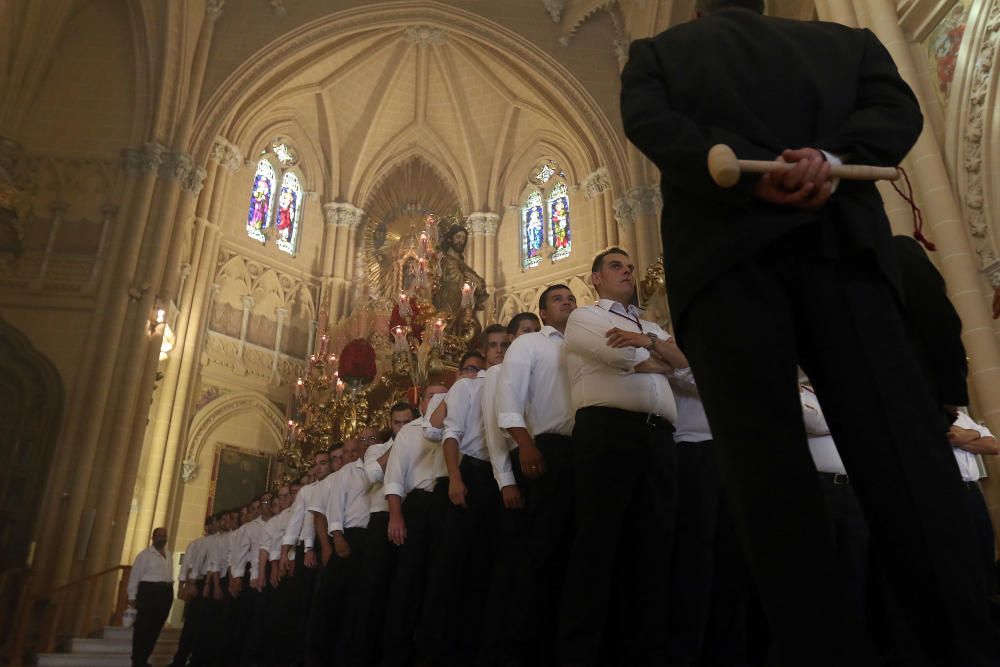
x,y
404,305
438,331
300,386
340,388
468,289
424,238
399,339
323,340
289,438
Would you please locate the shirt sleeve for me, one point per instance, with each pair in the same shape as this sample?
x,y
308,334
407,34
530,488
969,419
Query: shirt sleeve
x,y
812,415
297,519
308,531
336,504
458,402
318,498
965,421
514,385
585,335
496,442
393,481
372,467
135,576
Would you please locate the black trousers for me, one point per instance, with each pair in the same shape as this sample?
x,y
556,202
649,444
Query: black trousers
x,y
373,589
709,577
625,488
977,509
458,578
422,511
249,603
152,605
533,555
849,531
839,319
187,641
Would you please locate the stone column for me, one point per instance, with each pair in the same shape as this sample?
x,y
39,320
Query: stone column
x,y
476,250
645,202
282,316
491,222
594,186
247,305
58,211
109,211
610,217
346,218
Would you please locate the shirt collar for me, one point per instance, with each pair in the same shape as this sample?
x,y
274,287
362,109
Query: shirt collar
x,y
548,331
617,307
481,374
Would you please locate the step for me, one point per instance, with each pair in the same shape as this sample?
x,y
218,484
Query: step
x,y
118,632
95,660
117,646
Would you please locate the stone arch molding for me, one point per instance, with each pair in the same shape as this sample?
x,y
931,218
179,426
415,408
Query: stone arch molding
x,y
974,134
221,410
312,40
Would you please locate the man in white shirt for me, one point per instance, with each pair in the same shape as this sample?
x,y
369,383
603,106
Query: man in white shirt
x,y
189,589
533,411
624,471
151,593
414,469
969,441
246,560
380,553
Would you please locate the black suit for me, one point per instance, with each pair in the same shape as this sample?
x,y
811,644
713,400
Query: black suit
x,y
756,289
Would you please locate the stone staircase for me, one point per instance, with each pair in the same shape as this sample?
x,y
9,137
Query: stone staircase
x,y
112,649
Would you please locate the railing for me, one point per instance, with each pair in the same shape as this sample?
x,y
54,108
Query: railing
x,y
54,606
19,580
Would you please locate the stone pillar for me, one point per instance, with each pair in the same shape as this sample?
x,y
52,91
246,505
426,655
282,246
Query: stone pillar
x,y
58,211
476,247
610,216
645,202
346,218
491,223
282,316
594,186
109,212
247,305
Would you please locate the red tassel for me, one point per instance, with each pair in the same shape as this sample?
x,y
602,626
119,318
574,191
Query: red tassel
x,y
918,218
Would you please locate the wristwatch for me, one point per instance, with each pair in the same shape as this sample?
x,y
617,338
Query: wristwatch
x,y
652,340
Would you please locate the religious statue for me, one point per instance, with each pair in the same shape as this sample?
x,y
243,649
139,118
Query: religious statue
x,y
455,273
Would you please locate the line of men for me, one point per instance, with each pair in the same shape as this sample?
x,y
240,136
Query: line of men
x,y
558,504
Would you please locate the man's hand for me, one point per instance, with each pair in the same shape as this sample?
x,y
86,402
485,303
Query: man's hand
x,y
512,498
653,365
807,185
397,530
341,546
275,576
235,586
959,437
285,563
257,583
310,559
457,491
216,593
621,338
532,461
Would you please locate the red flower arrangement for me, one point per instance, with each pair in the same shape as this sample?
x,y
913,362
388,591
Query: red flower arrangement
x,y
357,363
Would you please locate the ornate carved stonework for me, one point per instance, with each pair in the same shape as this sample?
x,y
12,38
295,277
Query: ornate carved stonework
x,y
625,210
477,223
213,9
226,154
342,213
131,160
194,180
491,222
175,166
596,183
189,471
977,116
555,9
152,157
425,35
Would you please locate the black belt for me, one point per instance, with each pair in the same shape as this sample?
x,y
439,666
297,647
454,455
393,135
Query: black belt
x,y
971,486
648,418
477,463
157,583
835,478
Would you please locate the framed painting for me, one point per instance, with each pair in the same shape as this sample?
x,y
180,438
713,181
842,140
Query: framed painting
x,y
238,476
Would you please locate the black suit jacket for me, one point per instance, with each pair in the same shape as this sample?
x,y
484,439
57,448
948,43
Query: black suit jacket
x,y
761,85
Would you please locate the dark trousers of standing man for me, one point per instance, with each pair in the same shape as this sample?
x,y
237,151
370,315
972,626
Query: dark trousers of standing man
x,y
188,640
613,608
839,319
535,550
152,605
458,579
373,589
977,509
709,578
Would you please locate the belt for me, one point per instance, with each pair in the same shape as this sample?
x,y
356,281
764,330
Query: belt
x,y
971,486
157,583
477,463
835,478
649,418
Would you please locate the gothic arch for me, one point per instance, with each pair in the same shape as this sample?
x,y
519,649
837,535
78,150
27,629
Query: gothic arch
x,y
224,408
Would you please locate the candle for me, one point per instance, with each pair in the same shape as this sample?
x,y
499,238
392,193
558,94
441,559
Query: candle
x,y
438,332
340,388
300,386
399,339
468,289
289,438
404,305
323,341
424,239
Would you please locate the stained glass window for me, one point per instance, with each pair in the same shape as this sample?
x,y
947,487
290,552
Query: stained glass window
x,y
546,172
287,220
532,230
559,232
261,198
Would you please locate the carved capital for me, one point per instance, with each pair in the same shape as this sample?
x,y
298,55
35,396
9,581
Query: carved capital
x,y
425,35
596,183
186,269
132,160
213,9
189,470
625,211
247,302
152,157
282,314
477,223
194,180
175,166
342,213
646,199
491,221
226,154
109,210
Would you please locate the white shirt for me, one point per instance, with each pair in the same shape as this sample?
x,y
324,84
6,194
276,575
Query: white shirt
x,y
348,503
296,529
968,463
217,557
498,441
601,375
533,393
257,541
150,566
821,446
464,421
274,532
415,462
692,422
375,474
240,556
192,559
